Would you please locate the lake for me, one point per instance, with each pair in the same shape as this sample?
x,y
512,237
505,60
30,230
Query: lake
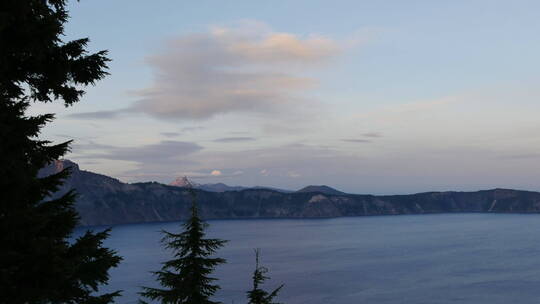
x,y
443,258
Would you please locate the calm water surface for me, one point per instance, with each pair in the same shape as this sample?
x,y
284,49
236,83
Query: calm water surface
x,y
451,258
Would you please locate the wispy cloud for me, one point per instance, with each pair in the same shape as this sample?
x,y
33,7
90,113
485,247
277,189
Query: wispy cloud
x,y
246,68
153,160
191,129
365,138
356,140
372,134
170,134
98,114
234,139
230,69
182,131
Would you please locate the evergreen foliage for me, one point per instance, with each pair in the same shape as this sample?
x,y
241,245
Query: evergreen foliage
x,y
258,295
38,263
186,278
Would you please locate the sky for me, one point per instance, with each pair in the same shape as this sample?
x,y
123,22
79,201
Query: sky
x,y
381,97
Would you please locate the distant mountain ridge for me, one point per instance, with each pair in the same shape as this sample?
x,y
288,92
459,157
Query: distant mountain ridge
x,y
217,187
103,200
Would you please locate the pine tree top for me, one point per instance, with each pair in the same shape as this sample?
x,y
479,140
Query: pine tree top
x,y
187,277
257,295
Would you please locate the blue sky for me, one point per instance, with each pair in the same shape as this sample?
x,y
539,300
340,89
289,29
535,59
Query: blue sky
x,y
365,96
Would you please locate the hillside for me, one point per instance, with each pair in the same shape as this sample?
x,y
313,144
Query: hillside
x,y
322,189
107,201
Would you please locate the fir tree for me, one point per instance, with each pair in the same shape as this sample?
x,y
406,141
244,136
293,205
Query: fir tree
x,y
38,262
258,295
186,278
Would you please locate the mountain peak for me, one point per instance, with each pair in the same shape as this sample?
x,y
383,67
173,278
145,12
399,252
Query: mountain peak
x,y
183,182
57,166
65,163
322,189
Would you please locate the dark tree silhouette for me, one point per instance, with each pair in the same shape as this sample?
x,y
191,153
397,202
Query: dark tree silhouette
x,y
186,278
38,263
258,295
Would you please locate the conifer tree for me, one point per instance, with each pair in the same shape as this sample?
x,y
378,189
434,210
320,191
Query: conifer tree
x,y
38,262
258,295
186,278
